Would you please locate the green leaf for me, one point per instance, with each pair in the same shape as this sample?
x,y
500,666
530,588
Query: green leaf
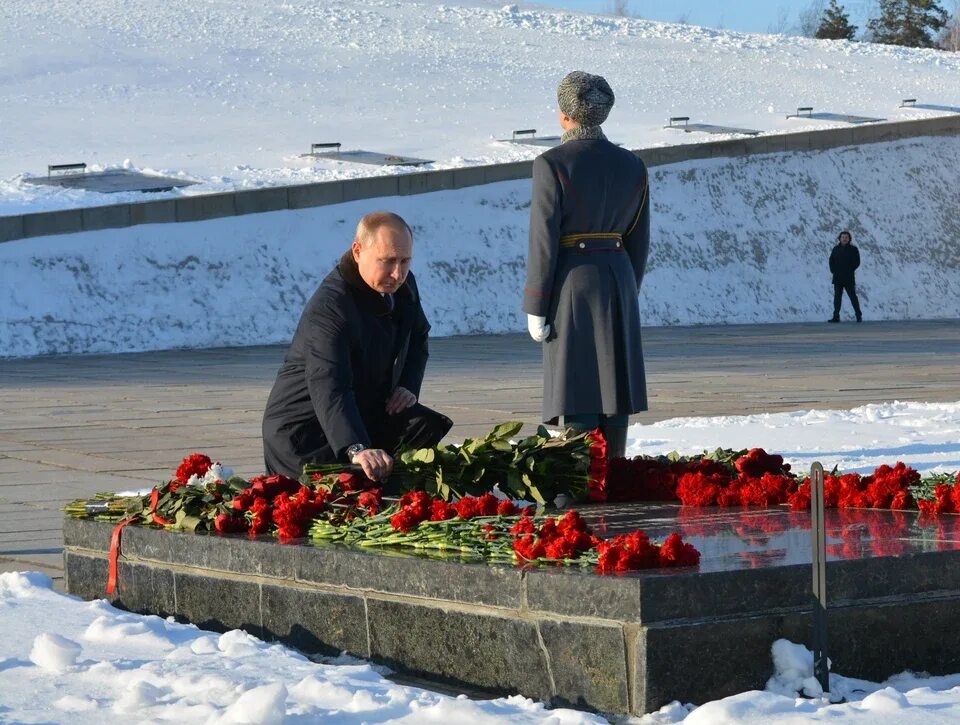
x,y
500,445
189,523
537,496
472,445
507,430
424,455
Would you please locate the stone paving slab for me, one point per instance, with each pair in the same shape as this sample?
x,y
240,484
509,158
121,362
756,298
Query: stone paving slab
x,y
74,425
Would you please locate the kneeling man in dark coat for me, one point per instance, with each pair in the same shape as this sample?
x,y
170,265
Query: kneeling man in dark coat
x,y
348,387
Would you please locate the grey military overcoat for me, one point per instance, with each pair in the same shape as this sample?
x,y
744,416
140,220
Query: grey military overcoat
x,y
593,360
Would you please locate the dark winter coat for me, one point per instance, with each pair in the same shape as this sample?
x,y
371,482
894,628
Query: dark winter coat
x,y
593,360
349,353
844,260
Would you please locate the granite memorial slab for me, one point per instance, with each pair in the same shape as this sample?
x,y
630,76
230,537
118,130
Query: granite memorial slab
x,y
567,636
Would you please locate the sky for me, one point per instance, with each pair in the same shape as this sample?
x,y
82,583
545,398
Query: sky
x,y
753,16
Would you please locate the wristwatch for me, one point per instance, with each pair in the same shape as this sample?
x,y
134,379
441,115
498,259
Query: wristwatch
x,y
353,450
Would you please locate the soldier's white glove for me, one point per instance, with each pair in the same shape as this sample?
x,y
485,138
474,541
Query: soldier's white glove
x,y
538,328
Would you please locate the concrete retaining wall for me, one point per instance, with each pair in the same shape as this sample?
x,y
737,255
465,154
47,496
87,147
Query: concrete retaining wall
x,y
214,206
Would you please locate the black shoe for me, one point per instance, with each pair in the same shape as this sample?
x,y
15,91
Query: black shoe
x,y
834,319
859,318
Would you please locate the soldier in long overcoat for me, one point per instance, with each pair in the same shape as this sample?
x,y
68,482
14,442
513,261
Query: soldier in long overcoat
x,y
589,239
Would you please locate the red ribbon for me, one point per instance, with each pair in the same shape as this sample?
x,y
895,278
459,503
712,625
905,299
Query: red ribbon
x,y
154,500
115,553
115,539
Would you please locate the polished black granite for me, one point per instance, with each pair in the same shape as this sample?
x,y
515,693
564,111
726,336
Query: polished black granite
x,y
731,539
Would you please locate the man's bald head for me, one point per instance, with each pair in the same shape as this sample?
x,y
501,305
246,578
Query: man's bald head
x,y
371,224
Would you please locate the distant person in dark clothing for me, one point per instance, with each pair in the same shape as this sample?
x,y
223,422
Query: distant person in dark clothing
x,y
348,387
844,260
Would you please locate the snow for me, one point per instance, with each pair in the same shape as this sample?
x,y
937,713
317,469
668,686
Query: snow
x,y
67,661
103,663
922,435
740,240
229,94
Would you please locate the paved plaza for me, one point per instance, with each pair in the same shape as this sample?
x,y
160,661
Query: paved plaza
x,y
74,425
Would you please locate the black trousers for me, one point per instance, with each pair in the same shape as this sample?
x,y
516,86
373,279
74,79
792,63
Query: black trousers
x,y
417,427
851,289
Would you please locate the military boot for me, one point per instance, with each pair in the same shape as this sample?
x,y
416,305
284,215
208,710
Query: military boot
x,y
616,441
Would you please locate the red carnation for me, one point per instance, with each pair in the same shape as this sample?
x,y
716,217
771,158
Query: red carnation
x,y
440,510
260,516
560,548
228,524
699,489
370,501
293,514
676,553
572,520
609,557
528,548
487,504
597,474
243,500
525,525
351,482
506,508
757,462
468,507
194,464
272,486
732,495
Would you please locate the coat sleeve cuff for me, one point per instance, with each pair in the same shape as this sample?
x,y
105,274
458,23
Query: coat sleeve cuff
x,y
535,303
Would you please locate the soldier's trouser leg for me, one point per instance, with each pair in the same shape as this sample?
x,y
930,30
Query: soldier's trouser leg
x,y
582,423
614,429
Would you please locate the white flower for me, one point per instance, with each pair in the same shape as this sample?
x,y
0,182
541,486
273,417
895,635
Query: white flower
x,y
215,474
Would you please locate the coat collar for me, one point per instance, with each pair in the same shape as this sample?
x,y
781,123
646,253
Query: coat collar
x,y
583,133
366,296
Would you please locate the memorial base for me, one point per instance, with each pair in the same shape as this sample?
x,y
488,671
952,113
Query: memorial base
x,y
613,644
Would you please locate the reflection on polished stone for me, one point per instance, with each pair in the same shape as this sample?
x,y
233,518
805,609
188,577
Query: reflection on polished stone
x,y
735,538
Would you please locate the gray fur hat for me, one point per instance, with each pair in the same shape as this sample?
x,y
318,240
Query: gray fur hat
x,y
585,98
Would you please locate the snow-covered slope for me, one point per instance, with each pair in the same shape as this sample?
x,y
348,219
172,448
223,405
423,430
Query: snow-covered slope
x,y
744,239
230,92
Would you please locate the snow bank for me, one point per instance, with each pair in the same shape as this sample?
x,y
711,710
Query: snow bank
x,y
63,660
738,240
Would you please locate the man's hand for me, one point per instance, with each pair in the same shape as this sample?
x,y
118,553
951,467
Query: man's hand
x,y
400,400
376,463
538,328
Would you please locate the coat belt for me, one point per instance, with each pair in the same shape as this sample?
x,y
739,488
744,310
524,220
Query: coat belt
x,y
592,242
